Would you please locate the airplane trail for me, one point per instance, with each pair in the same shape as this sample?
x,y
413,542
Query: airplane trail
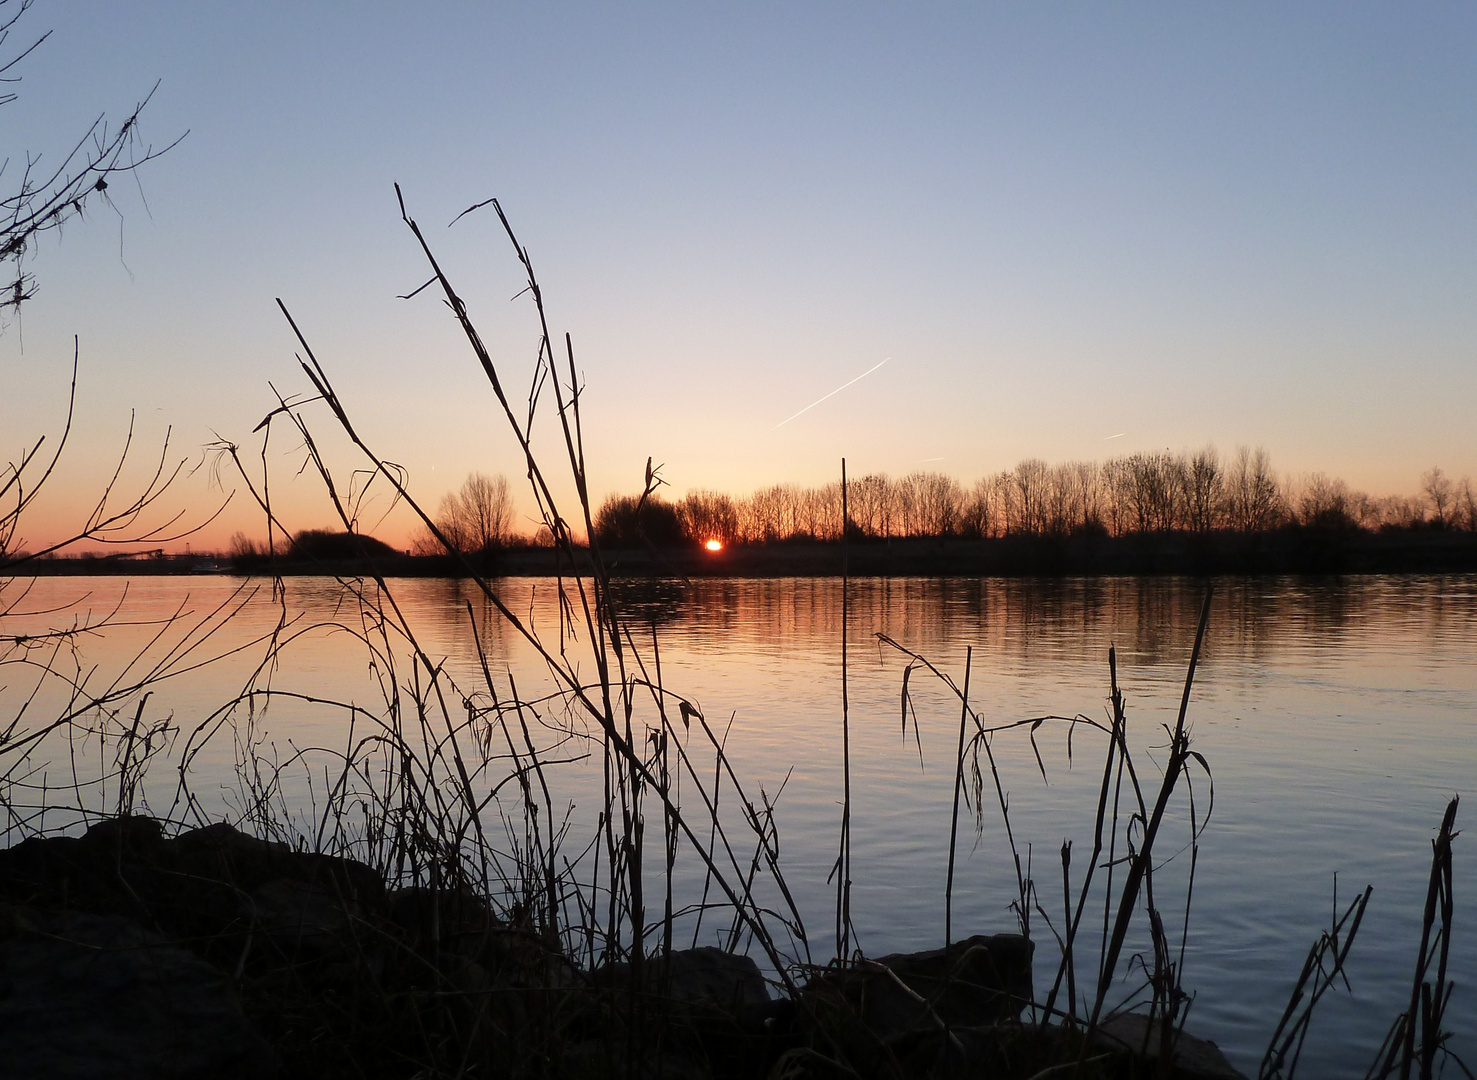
x,y
832,394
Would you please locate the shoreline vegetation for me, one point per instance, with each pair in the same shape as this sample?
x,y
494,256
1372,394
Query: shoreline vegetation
x,y
1290,550
1145,514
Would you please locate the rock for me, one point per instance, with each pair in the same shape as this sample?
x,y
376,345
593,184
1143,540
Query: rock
x,y
1006,1049
301,917
131,834
712,1008
100,998
1191,1058
709,975
443,920
222,853
221,837
705,976
974,982
212,887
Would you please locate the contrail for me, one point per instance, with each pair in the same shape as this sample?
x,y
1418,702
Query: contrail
x,y
832,394
1118,436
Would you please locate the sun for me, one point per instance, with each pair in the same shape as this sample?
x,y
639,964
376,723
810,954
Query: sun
x,y
714,545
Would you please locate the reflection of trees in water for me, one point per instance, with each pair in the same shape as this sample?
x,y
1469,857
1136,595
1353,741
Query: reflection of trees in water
x,y
640,603
650,601
1023,620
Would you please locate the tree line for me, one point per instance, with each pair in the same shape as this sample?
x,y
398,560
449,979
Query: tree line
x,y
1142,493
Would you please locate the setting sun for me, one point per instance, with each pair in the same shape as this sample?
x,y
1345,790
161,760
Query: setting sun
x,y
714,545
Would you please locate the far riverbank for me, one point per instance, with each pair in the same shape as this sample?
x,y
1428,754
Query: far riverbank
x,y
1290,551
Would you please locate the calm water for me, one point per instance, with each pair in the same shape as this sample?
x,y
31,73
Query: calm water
x,y
1337,718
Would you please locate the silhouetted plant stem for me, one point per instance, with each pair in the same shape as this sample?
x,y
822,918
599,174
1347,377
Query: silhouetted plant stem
x,y
1323,967
1428,1000
958,790
1067,969
843,857
1141,864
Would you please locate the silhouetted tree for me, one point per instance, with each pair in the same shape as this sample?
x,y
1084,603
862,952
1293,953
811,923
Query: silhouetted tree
x,y
1324,504
820,512
1086,483
478,517
870,502
1401,512
1253,500
1364,511
1153,484
323,544
709,515
1437,488
980,515
244,547
1205,491
1059,509
1025,497
1151,492
1114,482
937,504
1464,510
628,521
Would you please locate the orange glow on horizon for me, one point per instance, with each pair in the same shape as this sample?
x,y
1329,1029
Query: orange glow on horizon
x,y
714,545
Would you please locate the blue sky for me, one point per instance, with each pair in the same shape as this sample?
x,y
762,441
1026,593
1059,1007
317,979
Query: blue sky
x,y
1187,224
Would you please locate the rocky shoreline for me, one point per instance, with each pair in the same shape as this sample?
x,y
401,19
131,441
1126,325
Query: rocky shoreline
x,y
126,953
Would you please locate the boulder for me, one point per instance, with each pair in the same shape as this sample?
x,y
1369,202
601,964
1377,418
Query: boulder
x,y
979,981
1191,1058
303,919
435,921
711,976
704,976
100,998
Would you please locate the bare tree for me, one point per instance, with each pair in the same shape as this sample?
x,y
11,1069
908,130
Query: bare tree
x,y
1401,512
1115,482
1058,504
980,514
1436,486
46,194
820,512
1325,503
1205,491
478,518
1025,491
1364,510
871,505
1153,486
768,515
1464,512
1087,497
937,501
709,515
1254,501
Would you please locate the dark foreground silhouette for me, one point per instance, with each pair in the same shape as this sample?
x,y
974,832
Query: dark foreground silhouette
x,y
130,953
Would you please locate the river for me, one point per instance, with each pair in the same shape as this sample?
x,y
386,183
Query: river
x,y
1336,717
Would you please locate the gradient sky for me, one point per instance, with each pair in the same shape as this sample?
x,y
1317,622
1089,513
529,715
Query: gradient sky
x,y
1187,224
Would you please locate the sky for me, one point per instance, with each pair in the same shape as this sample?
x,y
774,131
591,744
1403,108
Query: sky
x,y
1071,231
